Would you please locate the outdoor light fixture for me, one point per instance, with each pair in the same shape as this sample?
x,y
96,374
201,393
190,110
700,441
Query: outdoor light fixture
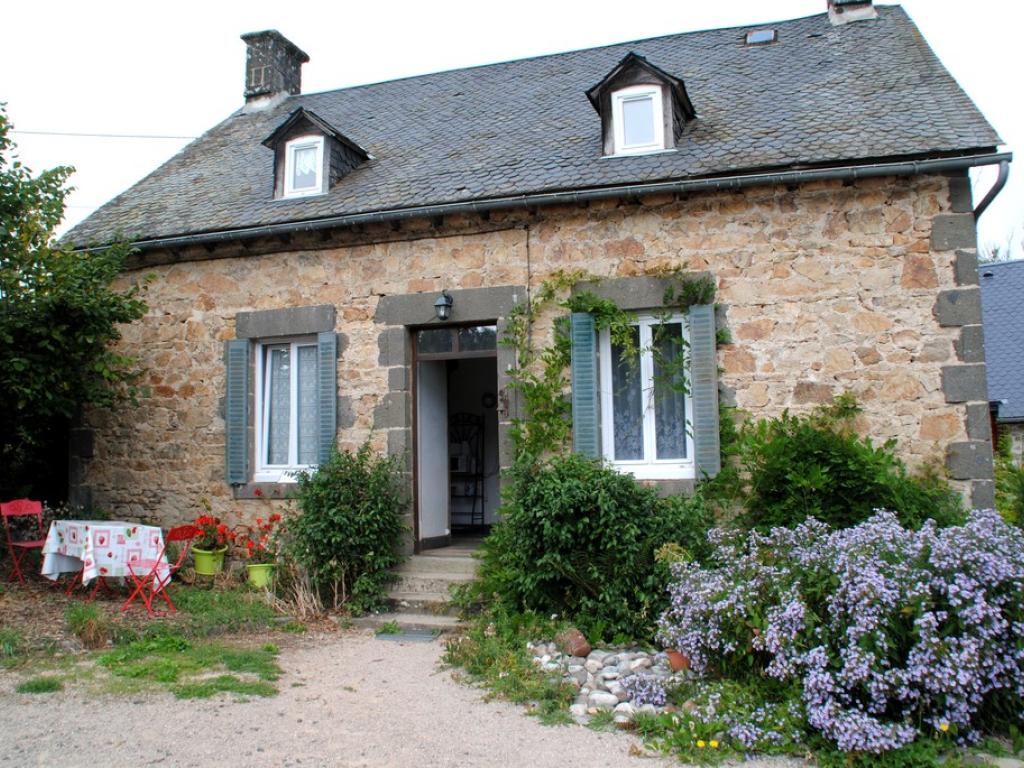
x,y
443,305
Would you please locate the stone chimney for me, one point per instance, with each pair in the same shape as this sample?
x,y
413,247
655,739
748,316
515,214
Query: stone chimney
x,y
273,66
845,11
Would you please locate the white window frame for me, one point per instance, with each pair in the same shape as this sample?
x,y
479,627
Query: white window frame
x,y
290,148
636,93
278,473
650,467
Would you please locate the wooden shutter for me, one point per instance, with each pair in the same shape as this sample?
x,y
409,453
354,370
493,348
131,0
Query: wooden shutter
x,y
704,390
236,412
586,412
327,391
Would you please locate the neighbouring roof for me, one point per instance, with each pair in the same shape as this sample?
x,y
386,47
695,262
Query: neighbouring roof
x,y
821,95
1002,296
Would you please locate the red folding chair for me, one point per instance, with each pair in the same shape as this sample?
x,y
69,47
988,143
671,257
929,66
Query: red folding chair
x,y
21,547
153,577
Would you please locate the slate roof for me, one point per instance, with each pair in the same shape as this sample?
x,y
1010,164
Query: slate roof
x,y
820,95
1002,297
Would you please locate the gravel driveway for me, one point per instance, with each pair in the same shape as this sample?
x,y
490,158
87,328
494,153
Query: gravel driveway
x,y
346,699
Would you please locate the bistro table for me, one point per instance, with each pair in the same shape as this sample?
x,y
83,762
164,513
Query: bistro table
x,y
100,549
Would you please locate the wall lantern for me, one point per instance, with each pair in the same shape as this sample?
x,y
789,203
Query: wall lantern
x,y
443,305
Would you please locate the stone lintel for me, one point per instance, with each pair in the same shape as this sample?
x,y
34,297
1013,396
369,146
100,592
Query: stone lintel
x,y
292,321
969,460
961,383
634,293
958,306
468,306
953,230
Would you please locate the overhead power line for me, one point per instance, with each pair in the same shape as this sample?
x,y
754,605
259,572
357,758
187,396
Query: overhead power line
x,y
101,135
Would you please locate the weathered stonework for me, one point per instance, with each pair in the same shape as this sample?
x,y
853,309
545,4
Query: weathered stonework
x,y
826,287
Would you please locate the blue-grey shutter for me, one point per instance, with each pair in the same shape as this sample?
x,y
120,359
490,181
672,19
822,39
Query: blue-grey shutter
x,y
586,411
704,390
327,390
236,412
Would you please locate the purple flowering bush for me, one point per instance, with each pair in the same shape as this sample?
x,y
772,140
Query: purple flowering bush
x,y
889,633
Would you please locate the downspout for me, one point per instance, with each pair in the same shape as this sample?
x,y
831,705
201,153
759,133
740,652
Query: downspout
x,y
1004,174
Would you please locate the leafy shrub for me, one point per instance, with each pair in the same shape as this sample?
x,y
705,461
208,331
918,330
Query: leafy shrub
x,y
1009,485
349,525
890,633
578,539
817,466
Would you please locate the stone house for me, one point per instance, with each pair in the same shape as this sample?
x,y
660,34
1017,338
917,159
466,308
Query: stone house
x,y
816,169
1002,291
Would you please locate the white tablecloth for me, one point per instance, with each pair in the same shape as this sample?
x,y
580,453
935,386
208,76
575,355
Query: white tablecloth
x,y
100,548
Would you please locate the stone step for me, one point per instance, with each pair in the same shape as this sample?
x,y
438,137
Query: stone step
x,y
417,564
429,582
409,622
436,603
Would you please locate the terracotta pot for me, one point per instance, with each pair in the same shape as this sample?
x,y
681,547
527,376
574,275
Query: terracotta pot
x,y
676,660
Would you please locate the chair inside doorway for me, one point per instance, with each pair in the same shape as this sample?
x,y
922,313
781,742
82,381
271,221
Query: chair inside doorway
x,y
466,471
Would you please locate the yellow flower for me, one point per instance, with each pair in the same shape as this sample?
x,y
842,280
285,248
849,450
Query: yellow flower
x,y
714,744
943,727
700,743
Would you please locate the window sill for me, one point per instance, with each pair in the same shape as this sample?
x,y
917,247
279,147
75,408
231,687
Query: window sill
x,y
657,472
640,152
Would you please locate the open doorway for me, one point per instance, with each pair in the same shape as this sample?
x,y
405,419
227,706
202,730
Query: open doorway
x,y
457,457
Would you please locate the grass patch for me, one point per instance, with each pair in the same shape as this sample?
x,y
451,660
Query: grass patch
x,y
184,666
602,720
204,689
212,612
40,685
88,623
389,628
493,652
12,646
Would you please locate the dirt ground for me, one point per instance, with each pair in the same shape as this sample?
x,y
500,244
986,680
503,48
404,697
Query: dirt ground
x,y
346,699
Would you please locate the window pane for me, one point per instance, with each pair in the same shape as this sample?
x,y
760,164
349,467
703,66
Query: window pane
x,y
309,410
638,121
434,340
627,401
477,338
304,170
669,402
278,406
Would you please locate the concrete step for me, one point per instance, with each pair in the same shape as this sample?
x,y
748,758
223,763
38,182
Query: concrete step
x,y
409,622
417,564
436,603
429,582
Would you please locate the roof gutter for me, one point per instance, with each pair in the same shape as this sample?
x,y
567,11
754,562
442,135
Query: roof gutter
x,y
897,168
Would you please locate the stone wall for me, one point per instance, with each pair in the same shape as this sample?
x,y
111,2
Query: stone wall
x,y
867,286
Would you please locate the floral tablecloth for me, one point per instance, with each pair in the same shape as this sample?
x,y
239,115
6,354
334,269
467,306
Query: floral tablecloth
x,y
99,548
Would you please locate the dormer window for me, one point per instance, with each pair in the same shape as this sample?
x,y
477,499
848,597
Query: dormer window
x,y
637,117
310,156
304,166
642,107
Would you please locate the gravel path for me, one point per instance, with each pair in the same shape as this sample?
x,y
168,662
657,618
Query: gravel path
x,y
346,700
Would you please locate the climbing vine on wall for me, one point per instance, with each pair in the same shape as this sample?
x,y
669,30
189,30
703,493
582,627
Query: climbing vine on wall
x,y
541,375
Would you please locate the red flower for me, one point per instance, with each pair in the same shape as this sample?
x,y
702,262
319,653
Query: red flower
x,y
257,492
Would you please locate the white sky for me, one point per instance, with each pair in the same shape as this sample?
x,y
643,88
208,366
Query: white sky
x,y
177,68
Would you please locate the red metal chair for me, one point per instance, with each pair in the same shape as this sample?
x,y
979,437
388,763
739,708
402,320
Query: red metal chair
x,y
21,547
153,577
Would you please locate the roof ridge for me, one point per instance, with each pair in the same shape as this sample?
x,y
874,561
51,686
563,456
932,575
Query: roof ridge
x,y
557,54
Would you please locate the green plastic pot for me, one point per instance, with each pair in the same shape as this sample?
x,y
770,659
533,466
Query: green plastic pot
x,y
260,574
209,562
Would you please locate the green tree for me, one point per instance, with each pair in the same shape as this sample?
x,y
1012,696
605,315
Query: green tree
x,y
59,315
